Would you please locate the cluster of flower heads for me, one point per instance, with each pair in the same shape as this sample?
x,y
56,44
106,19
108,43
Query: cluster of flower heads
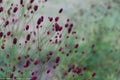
x,y
15,30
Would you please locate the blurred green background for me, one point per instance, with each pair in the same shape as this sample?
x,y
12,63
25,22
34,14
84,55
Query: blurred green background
x,y
98,23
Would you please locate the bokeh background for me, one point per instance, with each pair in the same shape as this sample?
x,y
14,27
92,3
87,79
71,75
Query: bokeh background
x,y
98,23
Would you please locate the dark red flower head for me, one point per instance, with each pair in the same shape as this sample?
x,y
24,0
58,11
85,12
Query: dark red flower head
x,y
15,9
57,59
33,78
14,40
60,11
0,1
1,9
